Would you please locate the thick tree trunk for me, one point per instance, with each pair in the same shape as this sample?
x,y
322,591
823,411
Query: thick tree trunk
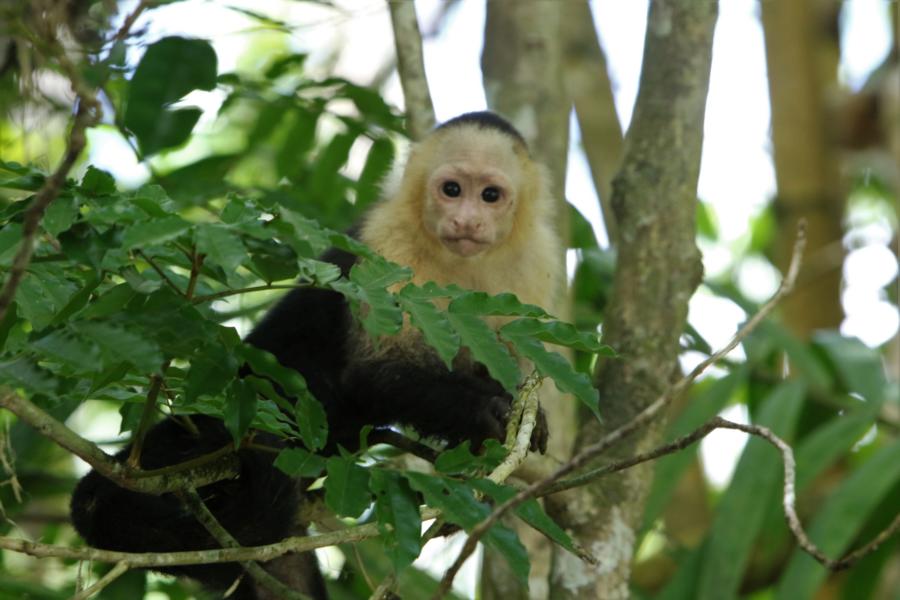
x,y
589,87
658,270
523,79
806,169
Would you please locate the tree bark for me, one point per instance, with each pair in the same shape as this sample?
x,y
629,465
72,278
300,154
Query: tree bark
x,y
589,87
658,269
806,169
523,80
411,68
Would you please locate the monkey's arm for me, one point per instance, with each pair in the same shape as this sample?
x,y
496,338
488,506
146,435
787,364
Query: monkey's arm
x,y
452,405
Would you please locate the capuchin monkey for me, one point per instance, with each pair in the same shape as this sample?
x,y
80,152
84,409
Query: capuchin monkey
x,y
470,208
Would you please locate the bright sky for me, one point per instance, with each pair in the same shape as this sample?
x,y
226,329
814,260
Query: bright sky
x,y
736,176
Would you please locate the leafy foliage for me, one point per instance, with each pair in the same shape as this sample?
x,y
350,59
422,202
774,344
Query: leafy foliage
x,y
157,281
150,284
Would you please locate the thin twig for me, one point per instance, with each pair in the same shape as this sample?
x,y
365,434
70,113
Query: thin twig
x,y
385,590
640,420
789,494
84,117
221,467
125,29
87,114
117,571
160,272
295,544
670,448
196,264
147,417
257,288
789,502
265,579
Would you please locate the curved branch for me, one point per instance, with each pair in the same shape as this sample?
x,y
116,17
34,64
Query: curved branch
x,y
215,467
620,433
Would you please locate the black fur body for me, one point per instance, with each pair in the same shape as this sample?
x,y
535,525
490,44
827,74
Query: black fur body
x,y
357,382
312,331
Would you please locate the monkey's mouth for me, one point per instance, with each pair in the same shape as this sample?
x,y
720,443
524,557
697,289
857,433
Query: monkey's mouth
x,y
464,245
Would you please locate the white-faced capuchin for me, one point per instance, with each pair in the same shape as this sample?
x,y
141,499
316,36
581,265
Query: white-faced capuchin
x,y
471,208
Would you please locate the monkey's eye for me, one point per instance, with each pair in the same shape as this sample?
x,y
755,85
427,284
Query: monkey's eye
x,y
451,188
490,194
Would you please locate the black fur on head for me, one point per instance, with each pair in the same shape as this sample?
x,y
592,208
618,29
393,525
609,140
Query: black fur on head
x,y
485,119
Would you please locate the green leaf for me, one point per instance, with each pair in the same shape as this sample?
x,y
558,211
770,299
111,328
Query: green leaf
x,y
840,520
581,232
240,408
60,215
432,322
859,367
317,272
119,344
298,141
198,181
459,505
481,303
170,69
212,368
297,462
97,182
397,513
824,446
220,245
148,233
347,487
559,334
61,345
23,373
551,364
311,419
10,240
9,321
373,304
742,508
110,302
707,224
529,511
78,300
43,293
707,399
153,200
378,163
459,460
330,161
487,349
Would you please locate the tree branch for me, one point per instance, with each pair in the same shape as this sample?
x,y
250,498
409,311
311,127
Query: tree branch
x,y
788,495
518,449
200,511
411,68
616,435
219,466
87,114
117,571
295,544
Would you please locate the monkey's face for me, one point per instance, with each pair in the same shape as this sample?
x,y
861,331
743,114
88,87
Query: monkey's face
x,y
471,198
